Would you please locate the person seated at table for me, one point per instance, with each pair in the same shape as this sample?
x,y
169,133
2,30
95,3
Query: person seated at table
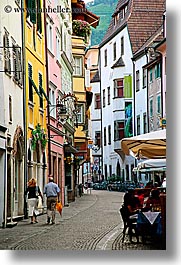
x,y
131,202
153,201
131,205
140,195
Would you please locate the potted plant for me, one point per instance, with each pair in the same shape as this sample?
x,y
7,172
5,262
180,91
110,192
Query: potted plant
x,y
38,136
81,28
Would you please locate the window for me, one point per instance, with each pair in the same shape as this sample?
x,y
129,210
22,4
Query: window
x,y
127,172
17,63
7,55
105,57
151,75
122,46
105,171
108,96
104,136
104,98
110,170
144,78
53,102
118,88
97,101
109,134
158,100
118,130
80,115
114,51
30,86
10,109
33,8
138,124
49,36
40,89
151,107
39,22
144,123
57,48
137,80
158,70
77,66
98,138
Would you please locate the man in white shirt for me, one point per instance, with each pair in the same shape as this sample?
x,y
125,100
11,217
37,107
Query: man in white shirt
x,y
52,192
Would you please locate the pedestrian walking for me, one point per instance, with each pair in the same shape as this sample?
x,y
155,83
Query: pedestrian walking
x,y
33,191
52,192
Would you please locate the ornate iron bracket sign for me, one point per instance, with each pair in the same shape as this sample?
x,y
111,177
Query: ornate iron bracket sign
x,y
67,108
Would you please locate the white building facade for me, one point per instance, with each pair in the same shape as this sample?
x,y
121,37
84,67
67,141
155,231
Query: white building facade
x,y
116,97
11,117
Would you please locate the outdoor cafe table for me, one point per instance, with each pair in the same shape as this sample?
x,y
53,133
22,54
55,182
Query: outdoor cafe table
x,y
149,223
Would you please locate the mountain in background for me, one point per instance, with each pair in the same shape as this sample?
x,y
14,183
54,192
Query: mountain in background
x,y
104,9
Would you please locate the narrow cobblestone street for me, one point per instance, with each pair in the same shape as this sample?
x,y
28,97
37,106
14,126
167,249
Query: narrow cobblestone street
x,y
92,222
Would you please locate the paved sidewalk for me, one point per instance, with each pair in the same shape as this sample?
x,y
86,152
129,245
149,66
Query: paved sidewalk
x,y
24,229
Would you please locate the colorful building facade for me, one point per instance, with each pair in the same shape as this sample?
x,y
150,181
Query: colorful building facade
x,y
36,98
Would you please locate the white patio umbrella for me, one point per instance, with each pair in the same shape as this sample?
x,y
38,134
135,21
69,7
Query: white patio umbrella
x,y
148,145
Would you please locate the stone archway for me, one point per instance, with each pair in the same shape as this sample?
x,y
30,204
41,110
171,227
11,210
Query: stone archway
x,y
18,143
18,172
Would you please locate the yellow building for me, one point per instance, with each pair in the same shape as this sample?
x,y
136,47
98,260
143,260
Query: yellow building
x,y
81,40
36,99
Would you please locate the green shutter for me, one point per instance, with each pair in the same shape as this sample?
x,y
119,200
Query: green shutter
x,y
39,22
33,11
128,86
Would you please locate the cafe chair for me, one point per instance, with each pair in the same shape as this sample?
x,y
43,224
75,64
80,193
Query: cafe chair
x,y
130,224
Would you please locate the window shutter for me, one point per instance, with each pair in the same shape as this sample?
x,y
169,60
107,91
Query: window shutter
x,y
33,11
30,83
7,55
40,90
39,22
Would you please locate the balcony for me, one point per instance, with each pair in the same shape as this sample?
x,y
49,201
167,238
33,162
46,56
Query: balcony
x,y
82,29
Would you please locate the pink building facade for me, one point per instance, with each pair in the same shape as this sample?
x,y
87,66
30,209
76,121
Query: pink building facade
x,y
56,153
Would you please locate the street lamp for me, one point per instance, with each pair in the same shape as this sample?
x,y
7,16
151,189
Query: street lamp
x,y
66,108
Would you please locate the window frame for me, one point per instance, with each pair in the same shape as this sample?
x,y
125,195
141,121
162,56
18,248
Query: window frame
x,y
105,57
109,134
118,90
104,98
119,130
122,45
108,95
137,80
114,51
151,107
138,125
78,69
97,97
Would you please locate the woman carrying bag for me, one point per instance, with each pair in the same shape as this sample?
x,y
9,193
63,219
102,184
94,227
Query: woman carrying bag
x,y
33,192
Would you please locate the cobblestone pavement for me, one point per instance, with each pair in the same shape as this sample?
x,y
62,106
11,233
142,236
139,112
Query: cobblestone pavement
x,y
91,222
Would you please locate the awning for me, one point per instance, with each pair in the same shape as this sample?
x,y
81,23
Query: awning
x,y
149,145
91,18
149,170
151,165
70,149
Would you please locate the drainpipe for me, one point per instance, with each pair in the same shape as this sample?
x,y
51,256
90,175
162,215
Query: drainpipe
x,y
146,52
47,84
101,115
161,75
24,106
134,95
